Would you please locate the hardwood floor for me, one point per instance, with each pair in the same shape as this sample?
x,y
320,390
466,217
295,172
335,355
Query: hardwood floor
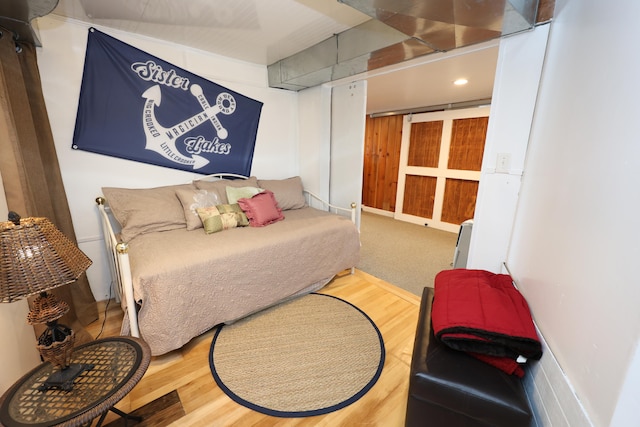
x,y
184,374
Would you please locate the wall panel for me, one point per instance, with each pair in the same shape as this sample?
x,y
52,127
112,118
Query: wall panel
x,y
467,143
419,195
383,137
459,202
426,138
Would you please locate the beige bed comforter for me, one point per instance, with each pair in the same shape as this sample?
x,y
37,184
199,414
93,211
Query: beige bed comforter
x,y
186,282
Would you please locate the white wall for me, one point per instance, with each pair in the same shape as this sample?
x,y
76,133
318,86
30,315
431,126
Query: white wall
x,y
518,71
20,353
314,106
348,108
517,81
574,244
629,401
61,61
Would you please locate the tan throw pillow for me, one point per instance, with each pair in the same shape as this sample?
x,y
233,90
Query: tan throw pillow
x,y
192,199
220,185
145,210
288,192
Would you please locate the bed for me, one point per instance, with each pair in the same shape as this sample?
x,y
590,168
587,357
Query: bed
x,y
176,282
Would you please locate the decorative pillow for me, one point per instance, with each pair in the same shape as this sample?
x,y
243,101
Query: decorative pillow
x,y
213,221
145,210
262,209
193,199
222,217
220,185
288,192
235,209
236,193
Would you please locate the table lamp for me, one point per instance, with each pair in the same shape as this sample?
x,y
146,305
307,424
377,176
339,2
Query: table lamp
x,y
36,257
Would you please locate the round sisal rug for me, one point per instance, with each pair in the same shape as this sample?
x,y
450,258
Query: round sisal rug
x,y
305,357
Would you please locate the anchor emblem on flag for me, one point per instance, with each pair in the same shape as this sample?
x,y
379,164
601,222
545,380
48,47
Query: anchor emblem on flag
x,y
162,139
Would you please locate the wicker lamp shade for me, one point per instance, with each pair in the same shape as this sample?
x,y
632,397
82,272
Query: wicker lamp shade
x,y
35,257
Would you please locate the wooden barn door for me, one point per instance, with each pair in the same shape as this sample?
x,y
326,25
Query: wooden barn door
x,y
440,160
383,138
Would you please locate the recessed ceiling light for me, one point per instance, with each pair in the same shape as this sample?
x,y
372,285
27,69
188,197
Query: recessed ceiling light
x,y
461,82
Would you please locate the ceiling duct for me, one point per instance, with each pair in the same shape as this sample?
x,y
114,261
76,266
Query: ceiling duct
x,y
16,16
401,30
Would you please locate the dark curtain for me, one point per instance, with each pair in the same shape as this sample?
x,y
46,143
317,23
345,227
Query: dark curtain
x,y
29,164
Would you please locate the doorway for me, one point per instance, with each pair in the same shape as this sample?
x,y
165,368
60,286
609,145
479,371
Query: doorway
x,y
418,170
425,168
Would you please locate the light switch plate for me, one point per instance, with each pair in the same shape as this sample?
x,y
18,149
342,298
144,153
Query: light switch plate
x,y
503,163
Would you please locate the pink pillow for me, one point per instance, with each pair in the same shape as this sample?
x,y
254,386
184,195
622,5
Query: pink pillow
x,y
262,209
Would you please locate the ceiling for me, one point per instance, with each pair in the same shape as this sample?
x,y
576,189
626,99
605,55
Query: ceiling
x,y
264,32
258,31
429,82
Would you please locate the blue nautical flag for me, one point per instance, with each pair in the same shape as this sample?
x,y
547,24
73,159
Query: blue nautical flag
x,y
136,106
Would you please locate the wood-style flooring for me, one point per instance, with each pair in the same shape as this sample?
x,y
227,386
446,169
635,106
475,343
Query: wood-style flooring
x,y
178,388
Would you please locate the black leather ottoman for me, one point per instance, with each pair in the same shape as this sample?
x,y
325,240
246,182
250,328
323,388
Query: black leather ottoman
x,y
449,388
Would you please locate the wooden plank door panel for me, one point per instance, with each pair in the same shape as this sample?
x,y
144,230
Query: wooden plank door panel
x,y
424,149
419,195
467,143
383,137
459,202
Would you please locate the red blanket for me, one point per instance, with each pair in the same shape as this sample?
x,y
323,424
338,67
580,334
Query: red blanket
x,y
483,314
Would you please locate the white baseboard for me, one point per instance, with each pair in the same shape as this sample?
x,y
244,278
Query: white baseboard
x,y
377,211
87,239
552,398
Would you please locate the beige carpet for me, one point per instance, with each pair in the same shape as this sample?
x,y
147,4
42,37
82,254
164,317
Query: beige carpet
x,y
305,357
404,254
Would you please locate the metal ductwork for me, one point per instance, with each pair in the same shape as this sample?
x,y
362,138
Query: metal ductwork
x,y
401,30
16,16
